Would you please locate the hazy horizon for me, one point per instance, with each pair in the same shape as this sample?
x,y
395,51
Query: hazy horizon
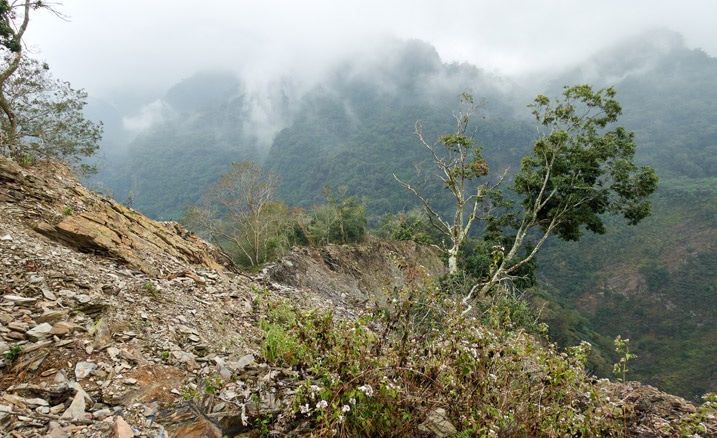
x,y
133,44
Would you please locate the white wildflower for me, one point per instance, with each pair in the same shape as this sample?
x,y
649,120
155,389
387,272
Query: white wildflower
x,y
366,389
345,408
322,404
304,408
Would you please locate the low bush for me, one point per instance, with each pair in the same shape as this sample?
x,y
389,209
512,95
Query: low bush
x,y
418,361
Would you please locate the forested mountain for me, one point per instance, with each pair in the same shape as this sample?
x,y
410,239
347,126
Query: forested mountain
x,y
201,128
358,129
654,283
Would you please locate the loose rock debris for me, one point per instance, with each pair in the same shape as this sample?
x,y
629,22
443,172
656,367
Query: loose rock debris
x,y
112,324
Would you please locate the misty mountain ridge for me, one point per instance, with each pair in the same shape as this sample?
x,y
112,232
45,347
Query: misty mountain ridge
x,y
217,112
404,81
633,57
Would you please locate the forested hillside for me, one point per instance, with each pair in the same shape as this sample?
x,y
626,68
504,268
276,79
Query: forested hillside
x,y
358,130
201,129
653,283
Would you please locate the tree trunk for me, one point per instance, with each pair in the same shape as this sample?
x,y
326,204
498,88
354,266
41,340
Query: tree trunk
x,y
10,137
453,260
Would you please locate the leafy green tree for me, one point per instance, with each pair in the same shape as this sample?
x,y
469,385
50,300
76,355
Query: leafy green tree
x,y
341,220
577,171
412,225
14,20
12,30
240,214
48,115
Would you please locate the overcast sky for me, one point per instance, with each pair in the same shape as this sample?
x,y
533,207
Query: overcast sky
x,y
108,43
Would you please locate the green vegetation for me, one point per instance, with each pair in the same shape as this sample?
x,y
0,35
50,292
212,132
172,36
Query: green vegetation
x,y
341,220
242,216
354,131
459,163
239,213
576,172
42,116
622,347
484,376
173,164
365,377
655,288
13,352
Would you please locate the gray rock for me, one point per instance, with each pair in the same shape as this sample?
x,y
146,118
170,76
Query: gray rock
x,y
183,356
83,369
83,298
41,331
101,414
19,300
76,411
36,279
60,377
66,293
438,425
48,295
244,361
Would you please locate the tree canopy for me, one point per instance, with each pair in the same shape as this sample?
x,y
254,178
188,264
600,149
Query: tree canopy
x,y
50,122
42,115
577,171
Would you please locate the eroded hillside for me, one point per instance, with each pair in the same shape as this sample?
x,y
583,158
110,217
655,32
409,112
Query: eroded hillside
x,y
115,325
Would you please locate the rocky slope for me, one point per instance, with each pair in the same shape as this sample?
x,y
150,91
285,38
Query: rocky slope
x,y
115,325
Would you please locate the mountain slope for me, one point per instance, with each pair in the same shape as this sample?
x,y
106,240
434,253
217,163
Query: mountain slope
x,y
356,129
653,283
145,332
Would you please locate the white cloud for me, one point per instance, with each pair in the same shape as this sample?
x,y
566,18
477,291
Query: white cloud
x,y
154,112
159,42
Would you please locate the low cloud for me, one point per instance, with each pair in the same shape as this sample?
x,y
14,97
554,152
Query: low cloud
x,y
113,42
150,114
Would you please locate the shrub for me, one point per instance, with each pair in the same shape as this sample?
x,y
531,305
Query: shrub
x,y
387,371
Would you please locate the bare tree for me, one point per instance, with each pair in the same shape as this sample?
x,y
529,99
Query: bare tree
x,y
459,163
239,212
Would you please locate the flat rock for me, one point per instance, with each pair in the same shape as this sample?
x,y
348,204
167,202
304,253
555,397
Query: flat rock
x,y
41,331
63,327
19,300
50,315
83,369
76,411
121,429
